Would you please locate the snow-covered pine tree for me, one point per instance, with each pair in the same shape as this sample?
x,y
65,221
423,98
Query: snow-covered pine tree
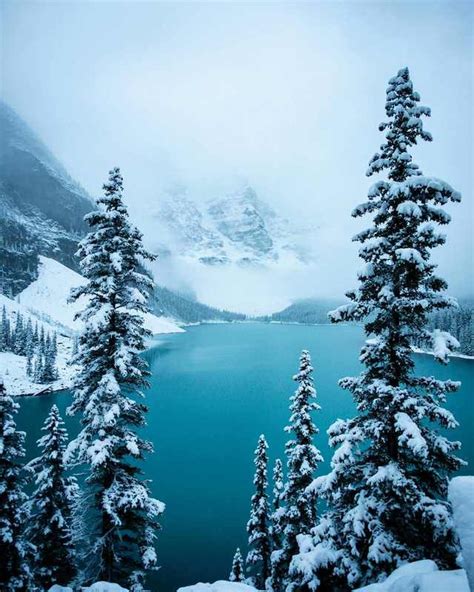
x,y
237,571
299,513
124,517
4,330
54,347
258,557
53,503
29,365
277,565
29,345
28,339
387,489
49,373
75,346
41,339
35,335
277,509
15,550
38,368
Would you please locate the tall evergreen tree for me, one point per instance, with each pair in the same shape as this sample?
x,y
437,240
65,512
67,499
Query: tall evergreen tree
x,y
276,527
258,558
35,335
15,551
29,366
278,566
237,571
19,335
299,513
49,373
111,374
53,503
387,489
4,331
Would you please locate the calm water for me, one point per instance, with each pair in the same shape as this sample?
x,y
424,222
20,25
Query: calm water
x,y
214,390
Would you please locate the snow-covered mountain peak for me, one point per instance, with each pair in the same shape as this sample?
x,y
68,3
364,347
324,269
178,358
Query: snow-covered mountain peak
x,y
237,228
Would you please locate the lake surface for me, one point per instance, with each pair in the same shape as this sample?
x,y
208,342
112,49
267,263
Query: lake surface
x,y
214,390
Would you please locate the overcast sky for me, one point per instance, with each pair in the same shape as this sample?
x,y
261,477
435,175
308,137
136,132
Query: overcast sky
x,y
286,96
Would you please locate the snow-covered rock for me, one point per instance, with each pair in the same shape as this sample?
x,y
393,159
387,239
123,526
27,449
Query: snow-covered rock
x,y
236,228
421,576
104,587
58,588
220,586
461,496
49,295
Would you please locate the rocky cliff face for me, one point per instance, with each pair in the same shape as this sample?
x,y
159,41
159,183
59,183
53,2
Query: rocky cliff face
x,y
236,228
41,206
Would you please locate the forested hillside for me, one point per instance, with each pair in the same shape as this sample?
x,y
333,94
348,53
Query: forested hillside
x,y
168,303
457,321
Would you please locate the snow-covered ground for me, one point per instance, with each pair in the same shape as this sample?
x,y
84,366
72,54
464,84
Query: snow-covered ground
x,y
220,586
461,496
46,301
453,354
97,587
13,367
421,576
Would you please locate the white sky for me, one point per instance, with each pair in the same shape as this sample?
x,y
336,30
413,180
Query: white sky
x,y
287,96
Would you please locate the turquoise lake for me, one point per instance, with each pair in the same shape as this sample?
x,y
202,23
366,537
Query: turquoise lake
x,y
214,390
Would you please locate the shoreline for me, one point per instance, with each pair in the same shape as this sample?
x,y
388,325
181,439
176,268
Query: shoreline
x,y
50,389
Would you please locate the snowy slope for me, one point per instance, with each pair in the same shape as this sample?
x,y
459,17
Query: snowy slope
x,y
50,292
13,367
46,301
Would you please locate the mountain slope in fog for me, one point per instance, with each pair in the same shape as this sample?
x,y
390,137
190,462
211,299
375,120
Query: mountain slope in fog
x,y
237,228
41,206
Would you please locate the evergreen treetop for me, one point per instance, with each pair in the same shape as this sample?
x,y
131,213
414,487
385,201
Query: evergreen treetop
x,y
387,489
237,571
53,505
258,558
106,389
298,515
15,550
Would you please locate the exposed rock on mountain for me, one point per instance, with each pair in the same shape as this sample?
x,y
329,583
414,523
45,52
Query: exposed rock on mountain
x,y
41,206
237,228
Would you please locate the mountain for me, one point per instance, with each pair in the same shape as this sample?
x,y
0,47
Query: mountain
x,y
41,206
238,228
311,311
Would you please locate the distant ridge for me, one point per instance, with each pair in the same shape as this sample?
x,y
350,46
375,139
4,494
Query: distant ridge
x,y
310,311
168,303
